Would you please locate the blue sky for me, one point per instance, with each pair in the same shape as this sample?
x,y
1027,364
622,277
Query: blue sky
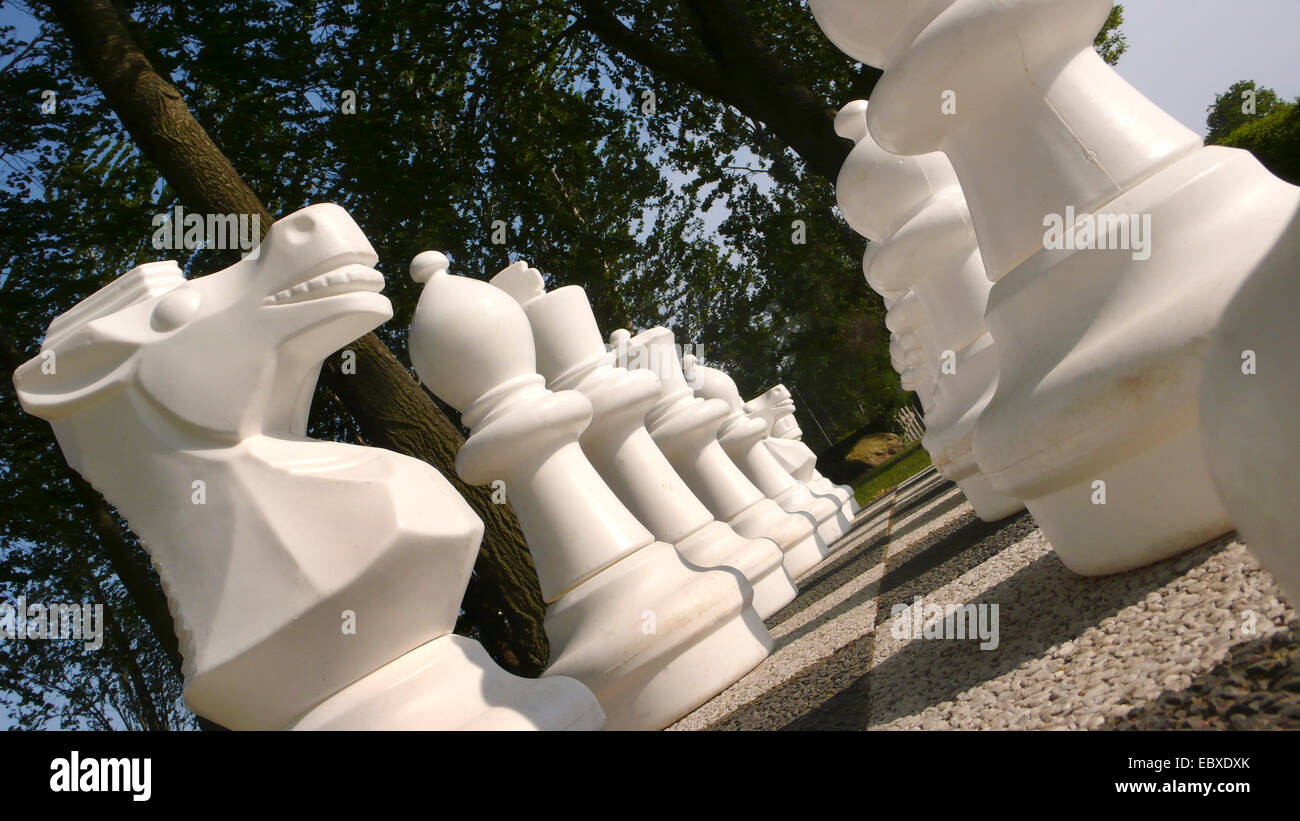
x,y
1183,52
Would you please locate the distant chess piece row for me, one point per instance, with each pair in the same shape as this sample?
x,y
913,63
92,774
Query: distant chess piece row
x,y
913,210
314,585
571,355
1104,322
653,636
776,408
743,438
686,426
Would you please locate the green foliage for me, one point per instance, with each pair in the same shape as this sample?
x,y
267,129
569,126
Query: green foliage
x,y
1252,117
1244,102
1111,42
1274,140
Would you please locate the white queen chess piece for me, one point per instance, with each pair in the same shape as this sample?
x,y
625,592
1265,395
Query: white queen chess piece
x,y
185,403
913,210
686,429
742,435
651,636
776,408
571,354
1103,320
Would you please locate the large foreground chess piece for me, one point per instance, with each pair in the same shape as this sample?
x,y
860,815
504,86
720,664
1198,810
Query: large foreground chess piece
x,y
651,636
1250,403
913,210
686,429
571,355
185,403
1102,321
776,408
742,438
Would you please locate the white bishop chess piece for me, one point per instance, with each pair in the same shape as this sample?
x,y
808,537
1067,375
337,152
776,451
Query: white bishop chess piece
x,y
913,210
1103,320
776,408
571,355
742,438
185,403
653,637
686,429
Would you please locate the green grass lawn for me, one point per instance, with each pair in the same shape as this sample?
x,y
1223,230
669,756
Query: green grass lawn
x,y
892,473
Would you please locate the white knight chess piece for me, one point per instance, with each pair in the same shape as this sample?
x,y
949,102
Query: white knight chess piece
x,y
185,403
651,636
1103,320
571,354
742,438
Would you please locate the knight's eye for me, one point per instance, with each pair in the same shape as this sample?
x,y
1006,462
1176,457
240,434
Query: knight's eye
x,y
175,309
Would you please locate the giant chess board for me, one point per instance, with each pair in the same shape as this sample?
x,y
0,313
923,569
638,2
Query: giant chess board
x,y
1072,652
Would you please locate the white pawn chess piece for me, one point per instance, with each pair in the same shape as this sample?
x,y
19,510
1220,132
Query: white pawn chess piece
x,y
742,438
686,429
913,210
651,636
571,355
185,403
1101,322
1250,396
776,408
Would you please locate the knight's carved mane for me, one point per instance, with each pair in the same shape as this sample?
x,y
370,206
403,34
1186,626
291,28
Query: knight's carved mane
x,y
140,284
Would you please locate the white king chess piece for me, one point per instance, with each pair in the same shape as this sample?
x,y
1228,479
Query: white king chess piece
x,y
571,355
785,440
185,403
686,429
651,636
1103,320
742,438
913,210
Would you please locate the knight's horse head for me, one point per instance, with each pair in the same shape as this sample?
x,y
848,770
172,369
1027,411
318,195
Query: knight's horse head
x,y
776,408
224,356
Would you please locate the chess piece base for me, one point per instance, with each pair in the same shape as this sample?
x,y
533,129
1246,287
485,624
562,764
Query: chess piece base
x,y
655,639
821,484
823,512
451,683
1101,356
758,560
989,505
795,534
1145,518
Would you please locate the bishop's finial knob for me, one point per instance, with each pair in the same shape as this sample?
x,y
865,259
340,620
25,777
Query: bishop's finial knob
x,y
467,337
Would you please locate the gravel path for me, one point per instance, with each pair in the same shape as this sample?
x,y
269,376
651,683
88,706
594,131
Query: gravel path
x,y
1200,640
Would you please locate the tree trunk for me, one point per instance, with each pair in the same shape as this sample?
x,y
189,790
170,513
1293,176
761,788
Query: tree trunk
x,y
503,603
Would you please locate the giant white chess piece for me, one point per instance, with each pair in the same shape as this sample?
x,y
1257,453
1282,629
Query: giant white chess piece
x,y
742,435
686,429
1102,322
651,636
571,355
185,403
1250,402
776,408
913,210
